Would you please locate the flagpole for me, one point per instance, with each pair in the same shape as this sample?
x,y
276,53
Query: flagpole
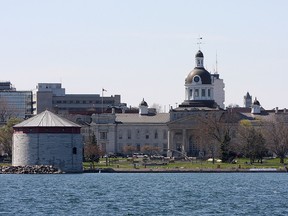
x,y
102,101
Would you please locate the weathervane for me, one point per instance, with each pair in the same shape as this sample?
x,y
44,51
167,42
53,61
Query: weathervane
x,y
199,42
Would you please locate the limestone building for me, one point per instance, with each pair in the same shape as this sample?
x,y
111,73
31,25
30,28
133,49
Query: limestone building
x,y
171,133
47,139
204,93
132,132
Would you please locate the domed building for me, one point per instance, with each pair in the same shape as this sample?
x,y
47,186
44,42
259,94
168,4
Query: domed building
x,y
201,87
47,139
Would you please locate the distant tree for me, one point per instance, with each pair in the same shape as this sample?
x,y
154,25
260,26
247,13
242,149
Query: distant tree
x,y
6,112
276,134
92,152
6,134
128,149
148,149
216,128
158,107
251,141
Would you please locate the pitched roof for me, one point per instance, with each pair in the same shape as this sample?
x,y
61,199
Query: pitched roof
x,y
159,118
47,119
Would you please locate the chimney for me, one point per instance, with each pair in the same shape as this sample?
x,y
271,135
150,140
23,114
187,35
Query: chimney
x,y
284,110
276,110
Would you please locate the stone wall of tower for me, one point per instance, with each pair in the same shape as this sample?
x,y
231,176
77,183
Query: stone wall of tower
x,y
63,151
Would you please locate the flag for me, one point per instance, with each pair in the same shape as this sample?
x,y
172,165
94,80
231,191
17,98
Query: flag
x,y
104,90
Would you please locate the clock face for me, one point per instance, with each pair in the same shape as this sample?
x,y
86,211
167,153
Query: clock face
x,y
196,79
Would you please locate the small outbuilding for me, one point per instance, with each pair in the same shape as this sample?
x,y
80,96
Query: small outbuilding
x,y
47,139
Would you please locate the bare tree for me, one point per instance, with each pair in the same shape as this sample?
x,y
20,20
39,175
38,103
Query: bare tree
x,y
251,141
147,149
158,107
128,149
92,151
215,128
6,111
276,134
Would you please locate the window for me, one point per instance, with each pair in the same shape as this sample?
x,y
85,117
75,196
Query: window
x,y
209,93
156,134
196,93
129,134
137,133
190,93
103,135
147,134
138,147
164,134
120,135
74,150
203,93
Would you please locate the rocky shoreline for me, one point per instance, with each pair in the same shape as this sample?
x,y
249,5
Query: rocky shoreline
x,y
37,169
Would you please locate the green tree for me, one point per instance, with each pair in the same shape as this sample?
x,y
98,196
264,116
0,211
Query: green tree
x,y
6,134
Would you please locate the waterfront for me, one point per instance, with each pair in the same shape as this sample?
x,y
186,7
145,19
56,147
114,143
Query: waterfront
x,y
145,194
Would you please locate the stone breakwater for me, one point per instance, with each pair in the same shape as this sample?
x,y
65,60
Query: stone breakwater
x,y
37,169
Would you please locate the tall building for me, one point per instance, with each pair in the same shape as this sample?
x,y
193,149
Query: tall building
x,y
203,88
51,96
14,103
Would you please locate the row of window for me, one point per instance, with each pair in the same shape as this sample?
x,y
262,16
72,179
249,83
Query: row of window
x,y
137,147
204,93
83,102
147,134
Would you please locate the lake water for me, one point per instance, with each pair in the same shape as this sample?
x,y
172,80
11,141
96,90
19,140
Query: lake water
x,y
145,194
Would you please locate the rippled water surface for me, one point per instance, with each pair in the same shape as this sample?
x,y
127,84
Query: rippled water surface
x,y
145,194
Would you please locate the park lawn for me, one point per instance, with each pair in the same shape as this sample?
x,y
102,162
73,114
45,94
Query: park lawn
x,y
242,163
124,163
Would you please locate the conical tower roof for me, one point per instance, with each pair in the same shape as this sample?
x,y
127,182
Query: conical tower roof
x,y
46,119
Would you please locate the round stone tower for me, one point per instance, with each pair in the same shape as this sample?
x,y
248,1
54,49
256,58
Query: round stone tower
x,y
47,139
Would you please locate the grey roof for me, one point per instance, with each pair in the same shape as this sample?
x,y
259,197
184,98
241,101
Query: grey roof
x,y
159,118
143,103
204,75
199,54
47,119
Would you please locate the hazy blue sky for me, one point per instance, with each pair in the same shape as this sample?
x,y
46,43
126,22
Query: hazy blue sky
x,y
145,49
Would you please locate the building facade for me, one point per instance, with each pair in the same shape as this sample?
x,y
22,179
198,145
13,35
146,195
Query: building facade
x,y
127,133
14,103
51,96
172,133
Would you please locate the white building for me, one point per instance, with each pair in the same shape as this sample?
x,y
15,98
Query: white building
x,y
47,139
124,132
203,88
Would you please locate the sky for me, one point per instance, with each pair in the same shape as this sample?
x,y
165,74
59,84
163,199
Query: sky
x,y
145,49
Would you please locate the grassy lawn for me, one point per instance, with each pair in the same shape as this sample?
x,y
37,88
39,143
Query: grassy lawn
x,y
242,163
124,163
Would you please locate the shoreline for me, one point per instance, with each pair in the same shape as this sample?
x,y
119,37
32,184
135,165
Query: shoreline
x,y
110,170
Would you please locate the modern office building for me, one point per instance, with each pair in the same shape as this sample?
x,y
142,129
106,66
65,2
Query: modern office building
x,y
51,96
14,103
